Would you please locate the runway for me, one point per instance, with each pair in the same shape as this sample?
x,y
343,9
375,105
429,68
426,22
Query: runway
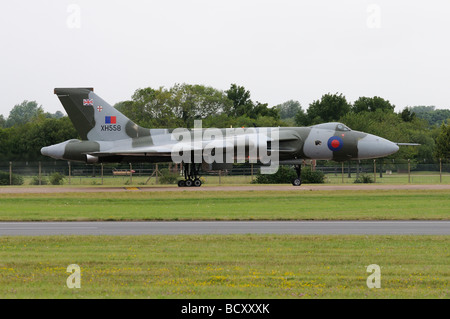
x,y
226,227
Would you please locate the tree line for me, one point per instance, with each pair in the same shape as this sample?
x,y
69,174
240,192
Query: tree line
x,y
28,127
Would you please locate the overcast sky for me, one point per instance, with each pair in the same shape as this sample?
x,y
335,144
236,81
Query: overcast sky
x,y
277,49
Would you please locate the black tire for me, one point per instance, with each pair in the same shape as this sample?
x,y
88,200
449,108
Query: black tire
x,y
188,182
181,183
296,182
197,182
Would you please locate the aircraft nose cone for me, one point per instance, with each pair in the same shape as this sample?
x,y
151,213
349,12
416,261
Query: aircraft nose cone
x,y
45,151
373,146
392,147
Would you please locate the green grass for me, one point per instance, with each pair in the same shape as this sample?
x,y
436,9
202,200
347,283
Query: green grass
x,y
400,179
230,205
226,266
422,177
232,266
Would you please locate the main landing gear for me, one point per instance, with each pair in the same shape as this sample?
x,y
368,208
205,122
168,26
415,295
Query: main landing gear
x,y
191,177
297,181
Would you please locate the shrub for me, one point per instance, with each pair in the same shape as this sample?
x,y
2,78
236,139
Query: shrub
x,y
286,174
363,179
168,177
56,178
35,180
282,176
312,177
16,179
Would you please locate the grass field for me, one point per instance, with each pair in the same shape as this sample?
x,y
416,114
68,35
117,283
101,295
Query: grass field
x,y
229,205
227,266
421,177
232,266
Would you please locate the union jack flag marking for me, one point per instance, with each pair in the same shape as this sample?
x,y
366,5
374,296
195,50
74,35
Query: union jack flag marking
x,y
88,102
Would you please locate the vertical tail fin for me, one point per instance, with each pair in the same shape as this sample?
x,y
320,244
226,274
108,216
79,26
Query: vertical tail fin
x,y
94,119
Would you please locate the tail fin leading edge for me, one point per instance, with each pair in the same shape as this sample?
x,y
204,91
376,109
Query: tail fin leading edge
x,y
94,119
82,118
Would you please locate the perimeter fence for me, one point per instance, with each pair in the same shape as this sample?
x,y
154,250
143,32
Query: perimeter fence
x,y
75,173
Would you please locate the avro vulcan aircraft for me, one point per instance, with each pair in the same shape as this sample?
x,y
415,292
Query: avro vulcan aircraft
x,y
108,136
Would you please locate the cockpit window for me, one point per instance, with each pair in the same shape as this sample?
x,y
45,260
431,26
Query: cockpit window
x,y
333,126
342,127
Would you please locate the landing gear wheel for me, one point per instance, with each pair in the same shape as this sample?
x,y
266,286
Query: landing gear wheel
x,y
297,181
197,182
191,176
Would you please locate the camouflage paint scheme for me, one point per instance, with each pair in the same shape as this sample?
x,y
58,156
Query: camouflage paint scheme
x,y
109,136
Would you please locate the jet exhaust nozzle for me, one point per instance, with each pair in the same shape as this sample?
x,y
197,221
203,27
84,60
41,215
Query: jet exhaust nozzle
x,y
91,159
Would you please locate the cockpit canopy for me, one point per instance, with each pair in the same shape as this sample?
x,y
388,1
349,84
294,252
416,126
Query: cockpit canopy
x,y
335,126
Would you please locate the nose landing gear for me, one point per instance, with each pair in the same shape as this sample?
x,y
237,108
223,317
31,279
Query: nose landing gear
x,y
297,181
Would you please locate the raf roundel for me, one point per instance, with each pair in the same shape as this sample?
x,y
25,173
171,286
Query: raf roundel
x,y
335,143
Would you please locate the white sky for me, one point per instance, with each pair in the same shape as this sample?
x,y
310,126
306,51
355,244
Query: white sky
x,y
277,49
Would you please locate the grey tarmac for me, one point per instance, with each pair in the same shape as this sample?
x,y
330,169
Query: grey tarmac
x,y
226,228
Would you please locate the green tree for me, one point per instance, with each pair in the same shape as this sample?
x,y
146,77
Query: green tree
x,y
407,115
192,102
371,104
266,121
288,109
241,100
443,142
329,108
244,106
435,117
263,109
25,141
301,118
5,144
178,106
219,121
24,113
56,115
150,108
